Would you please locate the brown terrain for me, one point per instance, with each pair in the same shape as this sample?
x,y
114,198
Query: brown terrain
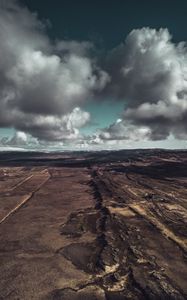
x,y
93,225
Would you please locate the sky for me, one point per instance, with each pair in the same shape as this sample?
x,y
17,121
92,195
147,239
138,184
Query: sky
x,y
93,74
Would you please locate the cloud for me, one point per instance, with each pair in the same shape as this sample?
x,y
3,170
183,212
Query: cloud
x,y
121,131
149,73
56,128
19,139
42,83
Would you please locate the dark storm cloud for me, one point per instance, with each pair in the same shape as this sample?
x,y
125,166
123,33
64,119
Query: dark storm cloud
x,y
149,72
42,83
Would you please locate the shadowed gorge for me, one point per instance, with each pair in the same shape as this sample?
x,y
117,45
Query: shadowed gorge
x,y
93,225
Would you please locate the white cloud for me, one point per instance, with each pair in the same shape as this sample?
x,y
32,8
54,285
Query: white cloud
x,y
20,138
122,131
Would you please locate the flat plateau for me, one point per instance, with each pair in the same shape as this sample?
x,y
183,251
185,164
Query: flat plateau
x,y
93,225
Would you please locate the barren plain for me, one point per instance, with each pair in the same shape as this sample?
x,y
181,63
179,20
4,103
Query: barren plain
x,y
93,225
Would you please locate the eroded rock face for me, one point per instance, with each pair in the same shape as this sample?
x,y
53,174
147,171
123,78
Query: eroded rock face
x,y
103,230
124,256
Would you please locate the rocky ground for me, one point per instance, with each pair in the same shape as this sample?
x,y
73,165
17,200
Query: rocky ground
x,y
104,225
